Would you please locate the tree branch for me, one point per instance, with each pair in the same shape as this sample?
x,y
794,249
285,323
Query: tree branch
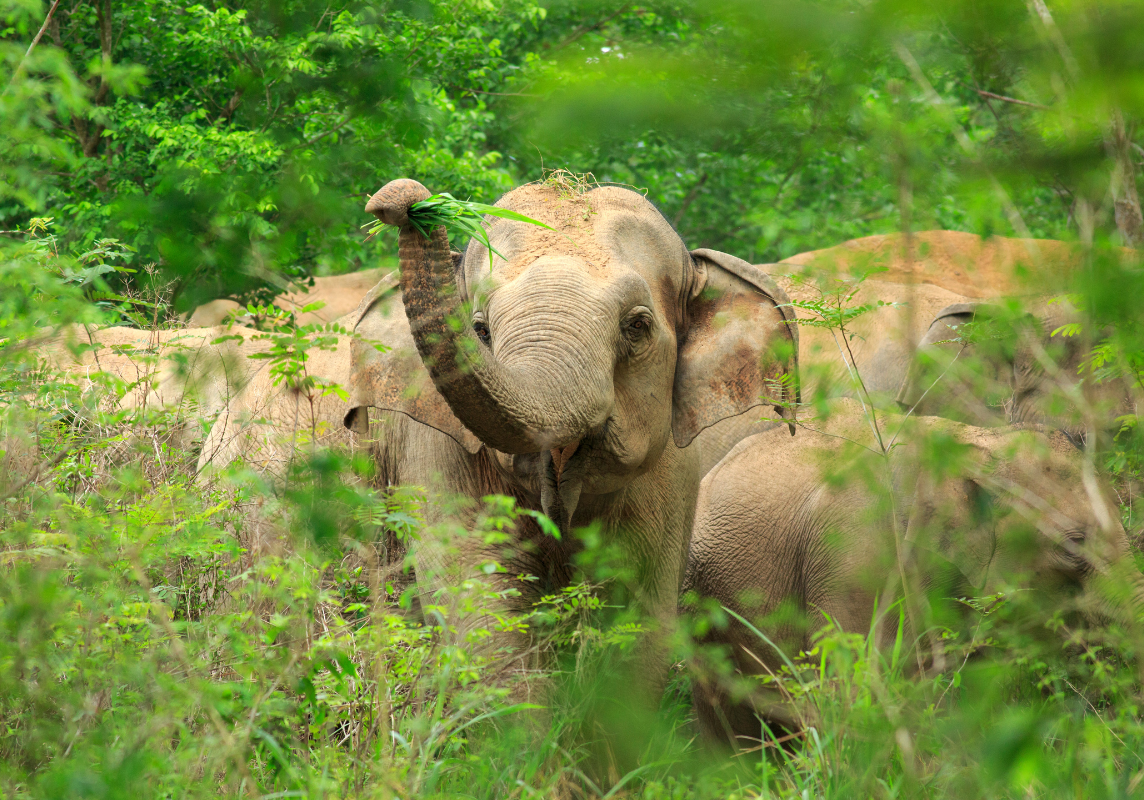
x,y
493,94
232,104
576,34
335,129
1012,100
1126,200
32,46
688,200
106,42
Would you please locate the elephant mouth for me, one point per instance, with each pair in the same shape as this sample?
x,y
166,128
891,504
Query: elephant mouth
x,y
597,463
561,455
561,483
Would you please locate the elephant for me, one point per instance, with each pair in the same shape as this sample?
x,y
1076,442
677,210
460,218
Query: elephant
x,y
269,428
264,424
1019,372
181,372
1021,366
881,347
963,263
340,294
792,533
572,371
163,369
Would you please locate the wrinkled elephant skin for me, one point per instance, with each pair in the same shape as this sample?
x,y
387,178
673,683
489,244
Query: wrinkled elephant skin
x,y
573,375
772,532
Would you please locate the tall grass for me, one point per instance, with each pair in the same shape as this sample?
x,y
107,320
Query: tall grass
x,y
164,636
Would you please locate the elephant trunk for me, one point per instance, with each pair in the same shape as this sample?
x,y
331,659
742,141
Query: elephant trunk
x,y
507,411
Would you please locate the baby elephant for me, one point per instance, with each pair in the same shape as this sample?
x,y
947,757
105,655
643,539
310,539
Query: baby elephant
x,y
792,532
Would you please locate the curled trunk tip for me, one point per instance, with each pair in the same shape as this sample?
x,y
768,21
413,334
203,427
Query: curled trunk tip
x,y
391,202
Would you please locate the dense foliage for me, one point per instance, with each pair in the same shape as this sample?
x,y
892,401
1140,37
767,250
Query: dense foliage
x,y
162,635
233,145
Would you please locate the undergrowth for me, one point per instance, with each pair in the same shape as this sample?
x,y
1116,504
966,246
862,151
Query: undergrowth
x,y
166,635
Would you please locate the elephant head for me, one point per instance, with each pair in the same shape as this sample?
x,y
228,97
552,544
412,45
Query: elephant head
x,y
582,351
1028,507
1020,367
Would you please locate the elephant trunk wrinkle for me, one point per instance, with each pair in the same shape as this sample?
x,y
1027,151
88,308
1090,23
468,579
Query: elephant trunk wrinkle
x,y
487,397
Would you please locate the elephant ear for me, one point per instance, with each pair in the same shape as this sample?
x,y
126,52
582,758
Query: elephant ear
x,y
939,508
943,328
738,349
393,378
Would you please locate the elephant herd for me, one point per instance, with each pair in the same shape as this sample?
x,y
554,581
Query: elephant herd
x,y
600,373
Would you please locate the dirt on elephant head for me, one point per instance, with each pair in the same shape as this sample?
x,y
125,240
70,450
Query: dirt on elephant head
x,y
574,215
958,262
569,213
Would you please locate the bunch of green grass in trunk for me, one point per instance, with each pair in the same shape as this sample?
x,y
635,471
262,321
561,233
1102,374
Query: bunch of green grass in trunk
x,y
460,217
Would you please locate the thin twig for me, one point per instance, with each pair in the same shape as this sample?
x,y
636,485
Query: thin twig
x,y
1012,100
772,743
36,473
31,47
803,426
1041,11
852,370
1101,718
862,384
923,397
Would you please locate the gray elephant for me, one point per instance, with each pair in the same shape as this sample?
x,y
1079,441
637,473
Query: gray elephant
x,y
265,425
789,534
1014,370
880,347
572,374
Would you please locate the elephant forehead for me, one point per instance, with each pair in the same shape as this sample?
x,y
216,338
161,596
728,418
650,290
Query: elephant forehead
x,y
519,245
607,229
643,242
568,282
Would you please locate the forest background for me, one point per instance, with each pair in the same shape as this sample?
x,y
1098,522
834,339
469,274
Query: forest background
x,y
156,154
232,145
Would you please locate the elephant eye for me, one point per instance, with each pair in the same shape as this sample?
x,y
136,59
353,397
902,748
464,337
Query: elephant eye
x,y
482,331
637,326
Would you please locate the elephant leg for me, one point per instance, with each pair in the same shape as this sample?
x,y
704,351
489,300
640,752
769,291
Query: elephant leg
x,y
447,552
655,541
740,724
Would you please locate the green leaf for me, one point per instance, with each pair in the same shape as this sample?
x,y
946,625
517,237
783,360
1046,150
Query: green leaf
x,y
546,525
462,217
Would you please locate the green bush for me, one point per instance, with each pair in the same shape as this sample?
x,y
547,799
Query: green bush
x,y
168,636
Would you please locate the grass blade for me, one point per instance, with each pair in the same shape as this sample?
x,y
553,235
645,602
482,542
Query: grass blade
x,y
462,217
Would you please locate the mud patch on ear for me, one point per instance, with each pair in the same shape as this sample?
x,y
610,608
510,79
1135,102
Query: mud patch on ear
x,y
739,349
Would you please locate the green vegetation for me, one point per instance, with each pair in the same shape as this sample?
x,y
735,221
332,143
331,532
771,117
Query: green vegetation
x,y
166,635
461,218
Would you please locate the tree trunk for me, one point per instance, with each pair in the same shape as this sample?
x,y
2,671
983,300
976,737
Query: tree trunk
x,y
1129,219
89,131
